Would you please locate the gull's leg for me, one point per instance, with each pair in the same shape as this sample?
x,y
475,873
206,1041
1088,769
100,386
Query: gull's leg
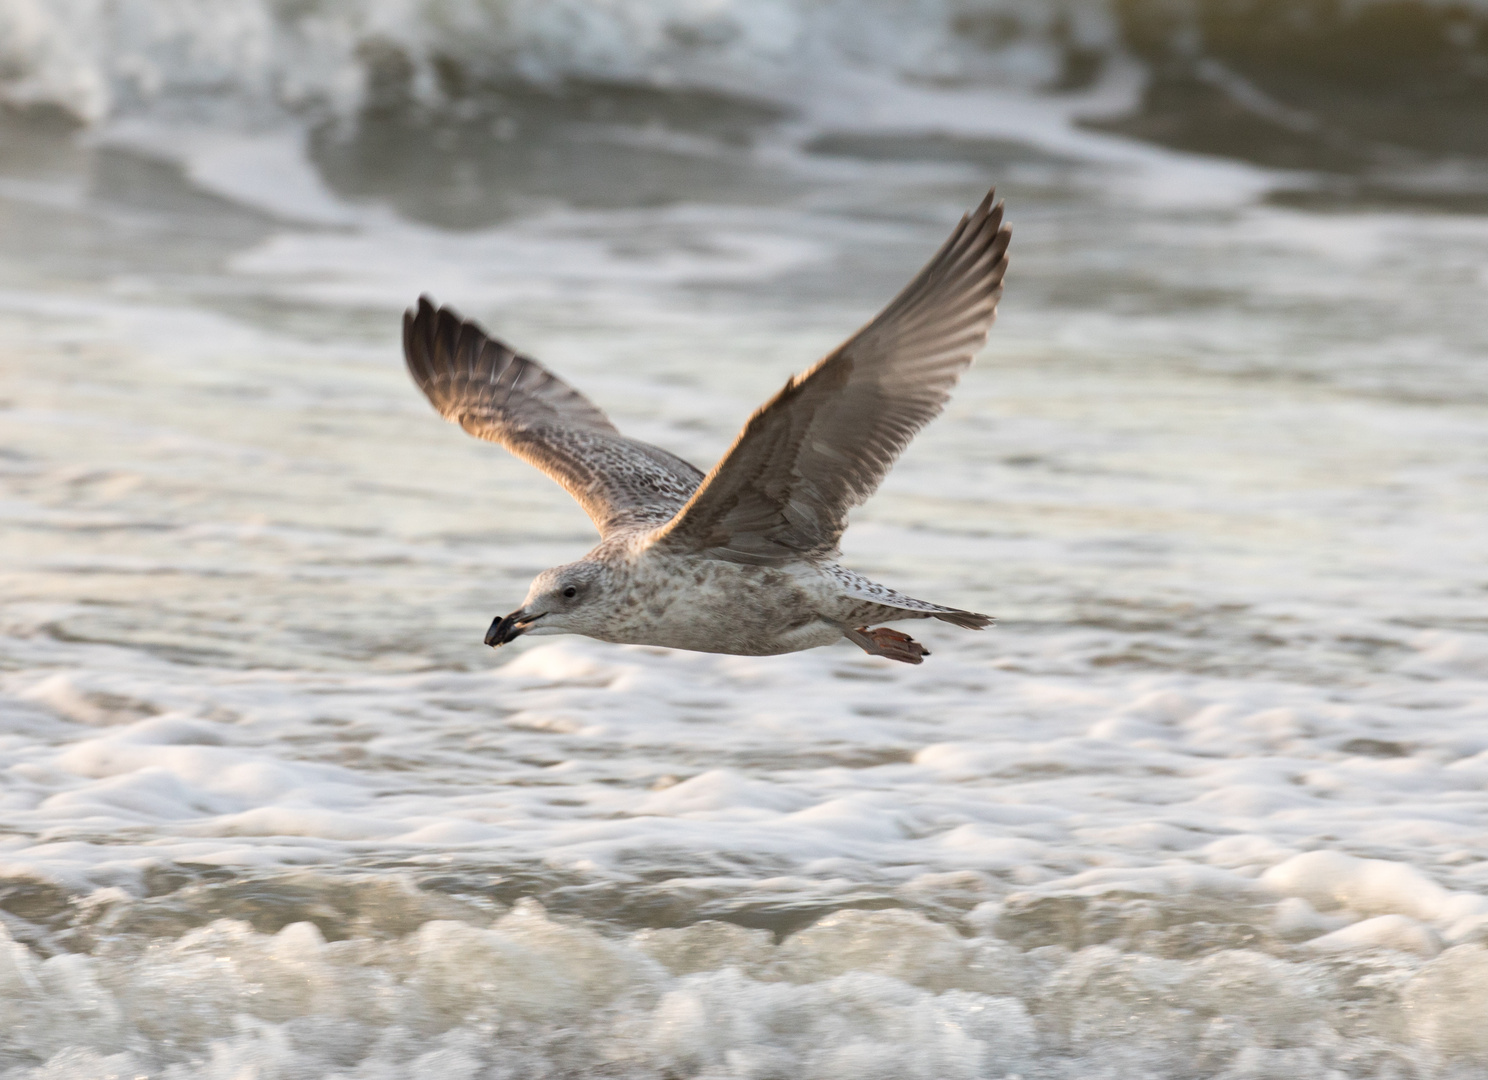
x,y
887,643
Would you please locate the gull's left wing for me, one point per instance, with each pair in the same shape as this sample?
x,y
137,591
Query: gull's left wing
x,y
824,443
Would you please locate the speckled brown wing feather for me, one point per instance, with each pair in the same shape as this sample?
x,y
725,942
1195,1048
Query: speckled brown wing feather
x,y
495,394
826,441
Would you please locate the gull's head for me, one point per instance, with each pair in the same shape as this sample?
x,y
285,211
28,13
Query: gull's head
x,y
564,600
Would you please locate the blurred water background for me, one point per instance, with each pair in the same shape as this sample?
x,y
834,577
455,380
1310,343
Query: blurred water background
x,y
1209,801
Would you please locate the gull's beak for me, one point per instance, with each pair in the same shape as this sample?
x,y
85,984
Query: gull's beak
x,y
509,627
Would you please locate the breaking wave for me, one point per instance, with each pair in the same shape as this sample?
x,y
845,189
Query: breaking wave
x,y
93,60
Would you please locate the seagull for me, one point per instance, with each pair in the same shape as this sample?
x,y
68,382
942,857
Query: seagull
x,y
742,560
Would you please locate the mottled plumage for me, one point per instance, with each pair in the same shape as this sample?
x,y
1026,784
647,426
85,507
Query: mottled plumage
x,y
740,560
495,394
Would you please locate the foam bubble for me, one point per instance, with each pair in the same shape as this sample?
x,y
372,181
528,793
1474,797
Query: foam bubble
x,y
1373,887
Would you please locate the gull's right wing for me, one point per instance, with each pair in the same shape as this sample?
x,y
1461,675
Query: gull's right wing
x,y
495,394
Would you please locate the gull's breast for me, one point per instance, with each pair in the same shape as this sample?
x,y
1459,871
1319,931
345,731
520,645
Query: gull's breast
x,y
708,605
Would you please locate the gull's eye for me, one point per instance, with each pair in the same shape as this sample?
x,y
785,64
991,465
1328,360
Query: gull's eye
x,y
571,592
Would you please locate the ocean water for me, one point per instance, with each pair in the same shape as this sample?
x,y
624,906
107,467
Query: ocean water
x,y
1209,801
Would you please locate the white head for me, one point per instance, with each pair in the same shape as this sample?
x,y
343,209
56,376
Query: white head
x,y
570,599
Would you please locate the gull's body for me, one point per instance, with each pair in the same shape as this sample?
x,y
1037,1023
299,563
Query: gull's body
x,y
741,560
691,601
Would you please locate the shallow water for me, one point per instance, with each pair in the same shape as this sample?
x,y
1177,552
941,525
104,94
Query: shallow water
x,y
1208,801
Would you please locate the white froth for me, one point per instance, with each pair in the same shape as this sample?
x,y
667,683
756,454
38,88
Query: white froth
x,y
602,257
861,994
266,169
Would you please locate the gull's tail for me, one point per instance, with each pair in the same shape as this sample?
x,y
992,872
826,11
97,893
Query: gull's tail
x,y
969,620
858,587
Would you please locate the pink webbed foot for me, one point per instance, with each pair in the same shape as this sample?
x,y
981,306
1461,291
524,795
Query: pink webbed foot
x,y
890,644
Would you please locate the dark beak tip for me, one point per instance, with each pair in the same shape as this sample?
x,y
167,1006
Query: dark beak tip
x,y
496,636
503,629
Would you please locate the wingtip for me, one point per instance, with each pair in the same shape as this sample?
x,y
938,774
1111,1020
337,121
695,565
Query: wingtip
x,y
988,216
430,313
416,320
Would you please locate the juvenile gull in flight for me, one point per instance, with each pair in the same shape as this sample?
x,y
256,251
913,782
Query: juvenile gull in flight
x,y
741,560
